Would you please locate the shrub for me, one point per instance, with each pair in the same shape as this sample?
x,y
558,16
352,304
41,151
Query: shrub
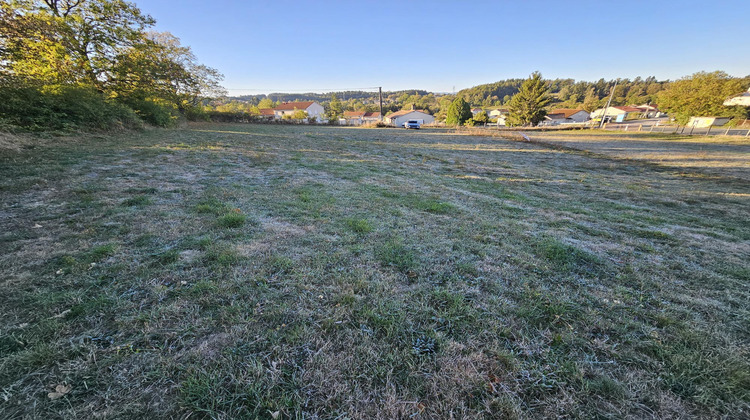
x,y
196,113
155,113
63,108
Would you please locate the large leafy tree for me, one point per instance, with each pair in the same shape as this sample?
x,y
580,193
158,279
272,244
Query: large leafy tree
x,y
702,95
85,36
103,45
527,106
159,66
458,112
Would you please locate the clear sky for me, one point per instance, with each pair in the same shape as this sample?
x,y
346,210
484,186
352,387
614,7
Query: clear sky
x,y
293,46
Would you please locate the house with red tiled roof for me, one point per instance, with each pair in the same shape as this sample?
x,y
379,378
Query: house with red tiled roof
x,y
354,117
360,117
371,117
267,113
566,116
398,118
312,108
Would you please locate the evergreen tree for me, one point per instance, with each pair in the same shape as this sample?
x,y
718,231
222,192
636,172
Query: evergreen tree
x,y
527,106
335,109
591,101
459,112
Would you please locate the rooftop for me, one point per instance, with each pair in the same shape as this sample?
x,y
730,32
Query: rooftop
x,y
291,106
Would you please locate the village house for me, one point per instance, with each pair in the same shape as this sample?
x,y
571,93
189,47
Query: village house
x,y
360,117
498,114
371,117
354,117
618,113
313,109
742,99
398,118
267,114
566,116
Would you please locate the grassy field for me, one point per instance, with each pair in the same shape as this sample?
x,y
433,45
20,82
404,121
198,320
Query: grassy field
x,y
252,271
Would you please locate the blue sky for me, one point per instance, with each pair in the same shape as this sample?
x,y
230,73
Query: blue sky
x,y
293,46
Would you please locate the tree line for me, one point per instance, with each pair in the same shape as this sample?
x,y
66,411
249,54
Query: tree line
x,y
94,64
700,94
68,64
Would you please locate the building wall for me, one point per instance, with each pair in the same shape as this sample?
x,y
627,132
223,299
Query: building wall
x,y
419,116
612,112
314,110
317,111
578,117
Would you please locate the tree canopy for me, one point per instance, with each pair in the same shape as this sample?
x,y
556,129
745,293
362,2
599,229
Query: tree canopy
x,y
527,106
100,45
702,95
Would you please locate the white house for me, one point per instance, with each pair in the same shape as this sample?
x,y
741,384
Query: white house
x,y
649,111
354,117
398,118
496,112
371,117
743,99
267,114
566,116
617,113
360,117
313,109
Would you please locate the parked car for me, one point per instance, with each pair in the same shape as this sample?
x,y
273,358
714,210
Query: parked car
x,y
412,124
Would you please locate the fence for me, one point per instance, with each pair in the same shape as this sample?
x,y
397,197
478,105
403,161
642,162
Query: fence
x,y
675,129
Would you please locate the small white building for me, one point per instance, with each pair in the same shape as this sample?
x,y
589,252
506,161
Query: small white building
x,y
360,117
743,99
313,109
371,117
499,114
398,118
354,117
617,113
566,116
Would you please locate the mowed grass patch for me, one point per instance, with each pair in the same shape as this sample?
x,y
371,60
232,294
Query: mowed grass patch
x,y
273,271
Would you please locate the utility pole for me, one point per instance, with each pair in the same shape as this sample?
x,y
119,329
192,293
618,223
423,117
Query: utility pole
x,y
601,123
380,94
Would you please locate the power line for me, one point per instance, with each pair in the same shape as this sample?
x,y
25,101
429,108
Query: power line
x,y
307,90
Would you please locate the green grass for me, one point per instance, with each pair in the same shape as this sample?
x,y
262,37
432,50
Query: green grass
x,y
231,220
394,254
360,226
253,271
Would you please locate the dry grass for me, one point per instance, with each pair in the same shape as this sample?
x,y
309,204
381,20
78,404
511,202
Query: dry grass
x,y
253,271
719,155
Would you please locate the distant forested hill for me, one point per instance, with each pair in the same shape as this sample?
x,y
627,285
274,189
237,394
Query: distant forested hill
x,y
570,93
324,97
